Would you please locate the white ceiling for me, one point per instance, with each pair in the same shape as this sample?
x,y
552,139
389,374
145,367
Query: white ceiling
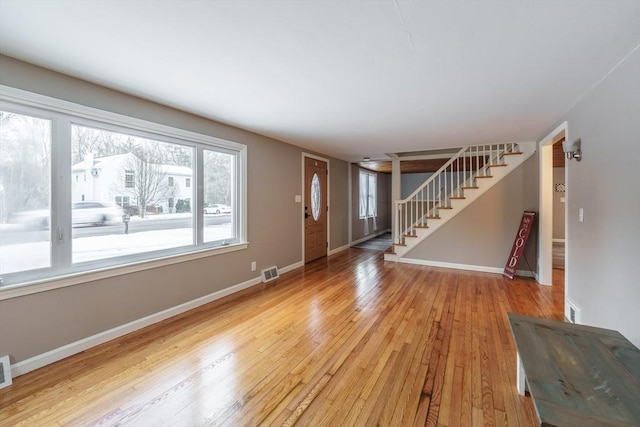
x,y
345,78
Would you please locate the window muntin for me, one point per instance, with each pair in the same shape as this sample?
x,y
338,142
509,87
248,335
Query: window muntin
x,y
368,194
25,193
123,202
129,178
62,259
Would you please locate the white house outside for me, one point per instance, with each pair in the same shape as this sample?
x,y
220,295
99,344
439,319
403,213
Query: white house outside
x,y
119,179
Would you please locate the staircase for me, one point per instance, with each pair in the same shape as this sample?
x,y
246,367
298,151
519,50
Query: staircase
x,y
457,184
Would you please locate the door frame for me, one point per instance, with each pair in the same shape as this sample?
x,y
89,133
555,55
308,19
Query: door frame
x,y
545,249
304,189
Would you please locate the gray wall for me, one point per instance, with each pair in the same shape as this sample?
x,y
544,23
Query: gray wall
x,y
33,324
483,233
410,181
558,204
603,252
370,227
338,204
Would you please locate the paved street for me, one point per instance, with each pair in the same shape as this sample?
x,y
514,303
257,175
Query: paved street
x,y
21,235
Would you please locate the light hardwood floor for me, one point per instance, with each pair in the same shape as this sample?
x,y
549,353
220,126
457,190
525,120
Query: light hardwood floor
x,y
346,340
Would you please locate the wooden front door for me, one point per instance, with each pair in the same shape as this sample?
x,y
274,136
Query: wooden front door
x,y
315,209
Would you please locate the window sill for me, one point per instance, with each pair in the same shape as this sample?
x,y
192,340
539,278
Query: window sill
x,y
14,291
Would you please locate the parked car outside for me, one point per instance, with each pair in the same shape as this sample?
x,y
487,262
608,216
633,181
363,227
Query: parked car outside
x,y
217,209
82,213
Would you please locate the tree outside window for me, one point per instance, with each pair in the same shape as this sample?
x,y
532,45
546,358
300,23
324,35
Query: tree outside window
x,y
25,193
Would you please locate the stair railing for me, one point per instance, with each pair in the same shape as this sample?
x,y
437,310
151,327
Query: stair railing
x,y
447,183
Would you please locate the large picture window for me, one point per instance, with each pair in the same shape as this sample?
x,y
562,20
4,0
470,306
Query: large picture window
x,y
368,194
122,194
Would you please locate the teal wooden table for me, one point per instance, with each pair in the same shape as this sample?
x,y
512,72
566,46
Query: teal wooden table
x,y
577,375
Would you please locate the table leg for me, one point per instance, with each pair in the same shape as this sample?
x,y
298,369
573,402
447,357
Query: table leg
x,y
520,376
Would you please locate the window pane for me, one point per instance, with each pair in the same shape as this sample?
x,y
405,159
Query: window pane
x,y
219,203
125,174
25,193
363,194
373,190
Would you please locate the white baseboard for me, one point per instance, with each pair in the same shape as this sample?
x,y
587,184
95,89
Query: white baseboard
x,y
288,268
369,237
60,353
470,267
336,250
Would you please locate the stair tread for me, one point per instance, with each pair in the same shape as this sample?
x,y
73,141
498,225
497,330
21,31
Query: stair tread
x,y
422,226
484,176
457,198
514,153
433,217
497,165
409,235
470,188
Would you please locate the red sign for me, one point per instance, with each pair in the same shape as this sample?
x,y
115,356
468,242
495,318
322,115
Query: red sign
x,y
519,244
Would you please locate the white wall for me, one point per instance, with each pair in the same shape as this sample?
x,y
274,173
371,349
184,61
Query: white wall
x,y
603,252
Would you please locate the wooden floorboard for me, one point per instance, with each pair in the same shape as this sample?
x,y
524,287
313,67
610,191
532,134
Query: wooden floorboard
x,y
348,340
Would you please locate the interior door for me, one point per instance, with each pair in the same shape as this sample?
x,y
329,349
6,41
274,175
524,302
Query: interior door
x,y
315,209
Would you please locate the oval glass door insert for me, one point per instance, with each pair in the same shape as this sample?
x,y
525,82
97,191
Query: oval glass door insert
x,y
316,199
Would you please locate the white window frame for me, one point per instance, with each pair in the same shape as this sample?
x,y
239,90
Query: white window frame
x,y
63,114
368,194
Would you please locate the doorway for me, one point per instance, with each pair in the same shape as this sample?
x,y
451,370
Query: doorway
x,y
545,250
315,208
559,208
